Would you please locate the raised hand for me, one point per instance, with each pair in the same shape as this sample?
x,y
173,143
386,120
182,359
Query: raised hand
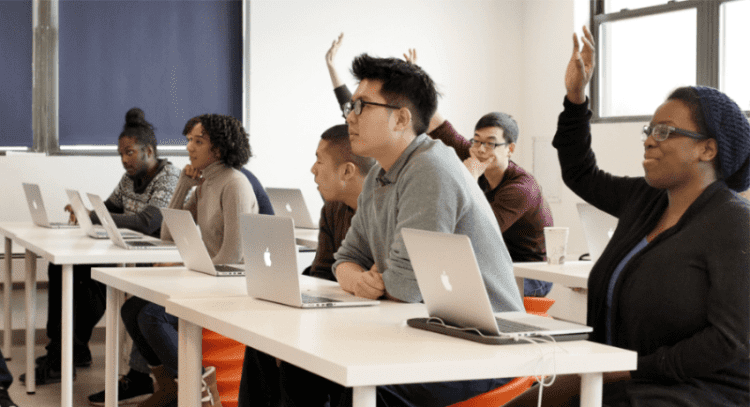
x,y
331,61
580,67
411,56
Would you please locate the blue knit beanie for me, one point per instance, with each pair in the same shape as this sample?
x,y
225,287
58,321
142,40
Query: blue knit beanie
x,y
728,125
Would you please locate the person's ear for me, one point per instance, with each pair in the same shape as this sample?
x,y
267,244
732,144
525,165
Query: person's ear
x,y
709,150
347,171
150,151
403,118
511,148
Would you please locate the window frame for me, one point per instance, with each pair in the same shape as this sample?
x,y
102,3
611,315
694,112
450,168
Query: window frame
x,y
50,144
708,29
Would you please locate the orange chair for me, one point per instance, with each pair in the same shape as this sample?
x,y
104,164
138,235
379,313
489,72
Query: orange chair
x,y
500,395
537,305
514,388
227,356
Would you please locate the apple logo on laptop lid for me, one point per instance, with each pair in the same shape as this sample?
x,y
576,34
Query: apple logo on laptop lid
x,y
446,281
267,257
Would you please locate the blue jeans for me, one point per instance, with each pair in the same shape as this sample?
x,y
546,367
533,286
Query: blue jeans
x,y
154,332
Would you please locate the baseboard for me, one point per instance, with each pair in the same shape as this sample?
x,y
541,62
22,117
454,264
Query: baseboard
x,y
18,336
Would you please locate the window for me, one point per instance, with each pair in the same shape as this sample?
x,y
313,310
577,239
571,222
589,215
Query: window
x,y
647,48
173,59
734,77
15,64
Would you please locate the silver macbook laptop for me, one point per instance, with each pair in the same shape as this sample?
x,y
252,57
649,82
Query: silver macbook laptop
x,y
289,202
192,249
453,290
598,228
36,207
271,265
93,231
114,234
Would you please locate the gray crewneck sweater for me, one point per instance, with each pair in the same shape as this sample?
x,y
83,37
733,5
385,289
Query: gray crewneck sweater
x,y
427,188
222,195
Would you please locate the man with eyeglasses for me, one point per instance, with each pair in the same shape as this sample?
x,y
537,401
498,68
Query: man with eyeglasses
x,y
514,194
417,182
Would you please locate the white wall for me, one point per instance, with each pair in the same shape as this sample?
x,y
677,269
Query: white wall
x,y
506,55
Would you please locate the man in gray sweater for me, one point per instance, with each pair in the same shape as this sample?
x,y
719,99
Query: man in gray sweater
x,y
418,183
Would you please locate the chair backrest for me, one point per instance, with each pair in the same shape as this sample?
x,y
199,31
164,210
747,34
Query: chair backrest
x,y
264,204
500,395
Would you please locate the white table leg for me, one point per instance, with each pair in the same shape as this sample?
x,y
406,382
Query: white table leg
x,y
591,389
67,336
30,291
190,356
364,396
8,312
112,352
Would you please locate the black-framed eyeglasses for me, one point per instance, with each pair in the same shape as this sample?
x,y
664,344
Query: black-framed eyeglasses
x,y
357,105
487,144
661,132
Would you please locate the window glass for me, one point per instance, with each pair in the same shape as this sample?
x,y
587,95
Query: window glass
x,y
641,60
15,63
173,59
734,64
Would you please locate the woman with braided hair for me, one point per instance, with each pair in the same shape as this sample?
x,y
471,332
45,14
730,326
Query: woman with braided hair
x,y
218,147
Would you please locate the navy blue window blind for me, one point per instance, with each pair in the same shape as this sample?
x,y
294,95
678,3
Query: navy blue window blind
x,y
173,59
15,64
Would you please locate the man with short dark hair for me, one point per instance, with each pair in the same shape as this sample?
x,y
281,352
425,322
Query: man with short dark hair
x,y
417,183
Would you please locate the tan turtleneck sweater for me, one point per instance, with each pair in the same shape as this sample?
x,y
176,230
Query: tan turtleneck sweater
x,y
222,195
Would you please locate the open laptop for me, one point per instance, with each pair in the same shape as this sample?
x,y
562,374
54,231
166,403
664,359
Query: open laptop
x,y
93,231
192,249
36,207
289,202
598,228
114,233
453,290
271,265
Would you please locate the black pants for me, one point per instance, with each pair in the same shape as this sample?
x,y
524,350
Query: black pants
x,y
89,304
259,385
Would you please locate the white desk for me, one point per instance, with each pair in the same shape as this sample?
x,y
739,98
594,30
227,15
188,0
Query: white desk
x,y
371,346
154,284
573,274
570,305
66,247
306,237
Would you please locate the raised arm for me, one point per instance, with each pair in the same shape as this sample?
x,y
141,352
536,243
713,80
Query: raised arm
x,y
580,67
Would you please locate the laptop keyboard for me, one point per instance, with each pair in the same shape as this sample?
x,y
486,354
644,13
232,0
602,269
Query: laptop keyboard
x,y
311,299
140,244
224,267
508,326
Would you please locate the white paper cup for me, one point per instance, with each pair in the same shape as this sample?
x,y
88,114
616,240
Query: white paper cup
x,y
556,240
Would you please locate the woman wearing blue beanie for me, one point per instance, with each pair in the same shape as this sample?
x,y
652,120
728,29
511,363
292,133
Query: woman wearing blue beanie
x,y
673,283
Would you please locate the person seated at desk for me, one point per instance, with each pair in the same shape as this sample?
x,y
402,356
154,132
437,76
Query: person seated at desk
x,y
674,282
218,147
514,194
417,183
146,186
339,174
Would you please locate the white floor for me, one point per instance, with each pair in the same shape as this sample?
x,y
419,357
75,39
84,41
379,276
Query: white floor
x,y
88,380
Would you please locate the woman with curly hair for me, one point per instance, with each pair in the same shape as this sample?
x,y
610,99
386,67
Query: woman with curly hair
x,y
218,147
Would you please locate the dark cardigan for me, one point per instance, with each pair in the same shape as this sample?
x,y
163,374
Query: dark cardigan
x,y
683,302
